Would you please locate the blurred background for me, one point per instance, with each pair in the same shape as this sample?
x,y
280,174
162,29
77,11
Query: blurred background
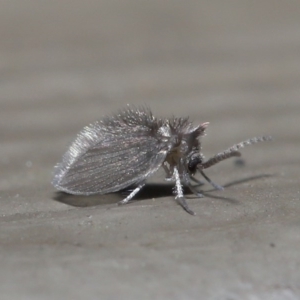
x,y
65,64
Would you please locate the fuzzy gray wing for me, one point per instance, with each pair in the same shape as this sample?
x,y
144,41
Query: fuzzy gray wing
x,y
113,163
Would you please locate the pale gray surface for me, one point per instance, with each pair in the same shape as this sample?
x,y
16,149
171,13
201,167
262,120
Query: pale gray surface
x,y
235,64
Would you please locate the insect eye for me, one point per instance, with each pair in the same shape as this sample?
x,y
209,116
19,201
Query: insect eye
x,y
194,161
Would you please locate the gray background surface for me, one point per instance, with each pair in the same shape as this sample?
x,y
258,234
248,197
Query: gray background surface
x,y
236,64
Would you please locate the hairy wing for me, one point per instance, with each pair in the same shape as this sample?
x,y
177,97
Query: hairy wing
x,y
102,161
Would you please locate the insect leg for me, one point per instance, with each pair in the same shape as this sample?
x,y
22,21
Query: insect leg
x,y
216,186
196,180
132,194
168,173
187,182
194,190
179,193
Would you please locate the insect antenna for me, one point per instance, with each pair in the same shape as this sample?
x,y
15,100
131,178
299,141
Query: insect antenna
x,y
232,151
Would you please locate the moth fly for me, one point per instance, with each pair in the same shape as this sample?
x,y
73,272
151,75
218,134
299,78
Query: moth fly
x,y
123,150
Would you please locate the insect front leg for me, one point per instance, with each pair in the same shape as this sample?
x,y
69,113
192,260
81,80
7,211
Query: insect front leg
x,y
132,194
179,193
215,185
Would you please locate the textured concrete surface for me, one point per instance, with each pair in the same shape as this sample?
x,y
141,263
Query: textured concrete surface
x,y
236,64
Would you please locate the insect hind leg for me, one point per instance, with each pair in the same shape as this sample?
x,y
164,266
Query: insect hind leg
x,y
131,195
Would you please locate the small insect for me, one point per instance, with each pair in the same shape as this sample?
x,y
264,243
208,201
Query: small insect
x,y
125,149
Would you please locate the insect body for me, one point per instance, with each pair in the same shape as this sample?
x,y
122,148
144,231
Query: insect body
x,y
125,149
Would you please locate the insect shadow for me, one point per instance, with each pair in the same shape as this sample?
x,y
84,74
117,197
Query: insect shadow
x,y
150,190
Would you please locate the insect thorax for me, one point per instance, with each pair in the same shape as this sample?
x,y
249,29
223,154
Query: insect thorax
x,y
183,147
